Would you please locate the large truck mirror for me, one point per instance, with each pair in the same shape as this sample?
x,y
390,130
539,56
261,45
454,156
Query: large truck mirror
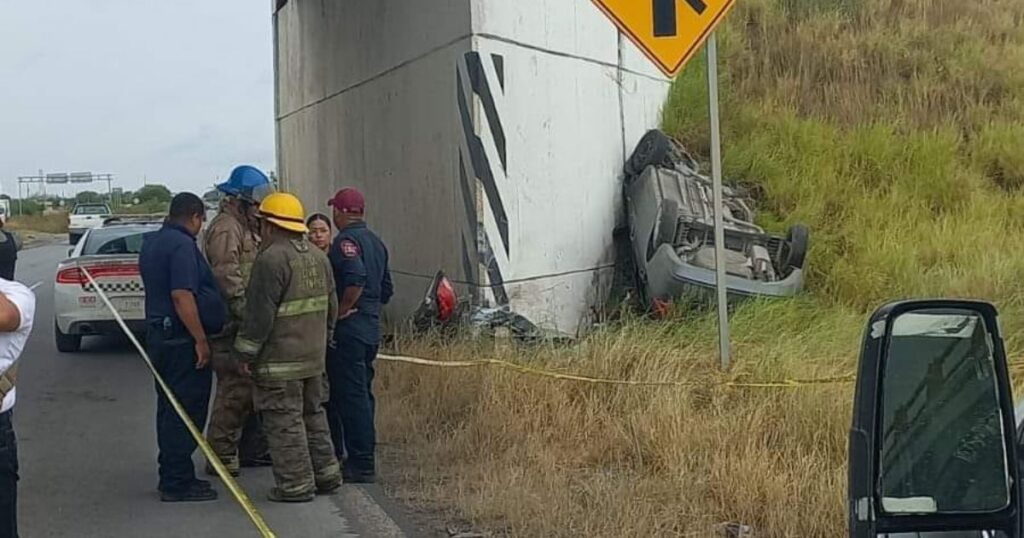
x,y
932,445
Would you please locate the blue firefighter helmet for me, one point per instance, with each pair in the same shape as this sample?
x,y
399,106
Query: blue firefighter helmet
x,y
248,183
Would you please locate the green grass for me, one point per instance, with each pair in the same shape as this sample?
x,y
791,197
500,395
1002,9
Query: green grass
x,y
152,207
894,129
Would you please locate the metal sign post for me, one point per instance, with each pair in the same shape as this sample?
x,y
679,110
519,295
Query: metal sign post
x,y
716,176
670,32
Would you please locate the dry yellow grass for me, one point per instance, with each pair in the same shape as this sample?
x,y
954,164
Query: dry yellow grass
x,y
531,456
894,129
54,223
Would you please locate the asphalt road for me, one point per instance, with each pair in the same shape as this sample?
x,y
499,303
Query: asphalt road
x,y
87,446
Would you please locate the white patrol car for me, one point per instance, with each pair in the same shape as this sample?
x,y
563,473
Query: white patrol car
x,y
110,253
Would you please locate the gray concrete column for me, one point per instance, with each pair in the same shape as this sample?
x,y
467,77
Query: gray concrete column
x,y
488,136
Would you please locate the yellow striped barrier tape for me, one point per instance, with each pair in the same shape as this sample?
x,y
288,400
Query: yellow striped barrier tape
x,y
236,491
524,369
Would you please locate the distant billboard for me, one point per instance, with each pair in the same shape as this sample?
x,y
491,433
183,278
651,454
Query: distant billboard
x,y
57,178
81,177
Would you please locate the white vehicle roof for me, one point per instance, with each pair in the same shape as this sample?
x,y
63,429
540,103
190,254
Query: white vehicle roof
x,y
115,239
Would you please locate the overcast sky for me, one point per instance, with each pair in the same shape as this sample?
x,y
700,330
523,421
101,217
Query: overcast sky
x,y
177,91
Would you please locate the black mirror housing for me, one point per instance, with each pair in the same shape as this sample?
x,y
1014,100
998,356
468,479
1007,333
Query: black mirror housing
x,y
924,392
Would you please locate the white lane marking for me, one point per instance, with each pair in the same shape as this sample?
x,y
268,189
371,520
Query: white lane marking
x,y
373,518
36,285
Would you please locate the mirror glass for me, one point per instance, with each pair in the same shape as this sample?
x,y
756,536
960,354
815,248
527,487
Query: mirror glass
x,y
942,448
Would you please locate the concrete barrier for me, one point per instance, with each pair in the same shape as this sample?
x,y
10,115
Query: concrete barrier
x,y
488,136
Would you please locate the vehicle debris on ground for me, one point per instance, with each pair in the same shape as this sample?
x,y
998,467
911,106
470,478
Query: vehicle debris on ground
x,y
445,314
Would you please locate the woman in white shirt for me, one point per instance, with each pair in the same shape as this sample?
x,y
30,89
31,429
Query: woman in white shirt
x,y
17,307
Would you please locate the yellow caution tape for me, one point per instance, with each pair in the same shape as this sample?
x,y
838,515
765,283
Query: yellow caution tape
x,y
222,471
524,369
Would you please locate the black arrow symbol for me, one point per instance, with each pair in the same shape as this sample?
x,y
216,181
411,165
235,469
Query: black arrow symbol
x,y
665,15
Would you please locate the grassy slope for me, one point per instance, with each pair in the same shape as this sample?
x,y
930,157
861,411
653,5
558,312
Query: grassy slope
x,y
894,128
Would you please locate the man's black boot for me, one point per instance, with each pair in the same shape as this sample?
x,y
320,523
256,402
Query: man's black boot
x,y
196,493
355,476
256,461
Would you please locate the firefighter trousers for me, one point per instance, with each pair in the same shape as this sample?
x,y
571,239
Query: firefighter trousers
x,y
234,432
297,433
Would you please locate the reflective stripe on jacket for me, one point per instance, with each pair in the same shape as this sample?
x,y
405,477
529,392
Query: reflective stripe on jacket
x,y
290,311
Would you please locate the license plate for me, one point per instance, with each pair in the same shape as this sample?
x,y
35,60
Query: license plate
x,y
127,304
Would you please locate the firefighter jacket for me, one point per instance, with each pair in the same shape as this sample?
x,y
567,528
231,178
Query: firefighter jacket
x,y
230,246
290,311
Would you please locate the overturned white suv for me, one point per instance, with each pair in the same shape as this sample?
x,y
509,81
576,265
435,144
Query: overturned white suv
x,y
669,207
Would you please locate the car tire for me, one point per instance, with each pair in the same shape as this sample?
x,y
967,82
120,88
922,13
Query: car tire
x,y
796,252
66,343
668,222
74,238
653,149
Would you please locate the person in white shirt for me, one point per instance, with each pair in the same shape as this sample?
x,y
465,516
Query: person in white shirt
x,y
17,308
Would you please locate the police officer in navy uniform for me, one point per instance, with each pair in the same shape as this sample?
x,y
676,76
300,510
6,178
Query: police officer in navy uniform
x,y
183,306
360,262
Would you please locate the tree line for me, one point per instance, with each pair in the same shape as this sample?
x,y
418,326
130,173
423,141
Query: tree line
x,y
151,198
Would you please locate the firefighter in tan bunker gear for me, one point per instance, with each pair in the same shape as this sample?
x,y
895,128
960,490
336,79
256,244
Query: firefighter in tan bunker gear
x,y
290,311
230,245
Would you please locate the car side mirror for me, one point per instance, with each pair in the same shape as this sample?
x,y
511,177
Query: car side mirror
x,y
932,445
71,251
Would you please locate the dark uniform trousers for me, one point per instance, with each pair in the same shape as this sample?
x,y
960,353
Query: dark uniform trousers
x,y
359,259
8,478
175,361
352,404
298,435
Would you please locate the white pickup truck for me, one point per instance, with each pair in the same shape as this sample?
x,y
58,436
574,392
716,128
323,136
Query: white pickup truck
x,y
84,217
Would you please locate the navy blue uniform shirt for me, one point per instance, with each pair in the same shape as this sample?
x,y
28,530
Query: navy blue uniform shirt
x,y
170,260
359,258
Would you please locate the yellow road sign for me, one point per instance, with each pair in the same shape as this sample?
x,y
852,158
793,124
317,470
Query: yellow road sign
x,y
668,31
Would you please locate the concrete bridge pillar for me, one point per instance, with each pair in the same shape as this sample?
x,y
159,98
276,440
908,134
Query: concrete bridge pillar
x,y
488,136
